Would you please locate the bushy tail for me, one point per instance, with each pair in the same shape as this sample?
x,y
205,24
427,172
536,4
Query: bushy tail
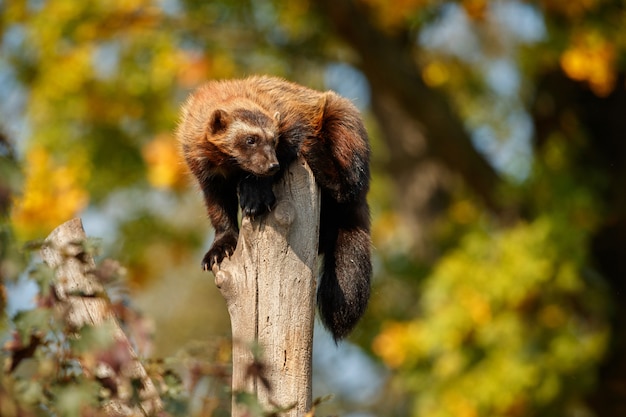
x,y
345,280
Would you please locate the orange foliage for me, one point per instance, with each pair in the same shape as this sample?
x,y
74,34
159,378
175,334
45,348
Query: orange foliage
x,y
571,9
476,9
591,58
396,342
194,68
165,168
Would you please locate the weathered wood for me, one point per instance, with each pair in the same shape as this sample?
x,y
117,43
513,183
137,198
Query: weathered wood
x,y
82,302
269,285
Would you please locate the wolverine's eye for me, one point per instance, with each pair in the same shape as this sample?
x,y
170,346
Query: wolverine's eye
x,y
251,140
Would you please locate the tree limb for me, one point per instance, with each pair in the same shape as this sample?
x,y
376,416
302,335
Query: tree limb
x,y
387,61
82,302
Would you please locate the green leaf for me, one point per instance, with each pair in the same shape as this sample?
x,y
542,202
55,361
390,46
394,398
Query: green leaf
x,y
91,338
250,402
33,321
43,276
30,391
71,400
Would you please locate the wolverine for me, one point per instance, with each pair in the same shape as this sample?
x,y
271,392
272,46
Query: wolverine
x,y
239,136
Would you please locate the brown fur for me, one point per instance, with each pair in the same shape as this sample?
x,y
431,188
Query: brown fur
x,y
236,134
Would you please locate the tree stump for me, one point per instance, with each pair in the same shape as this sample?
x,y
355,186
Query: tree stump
x,y
269,285
82,301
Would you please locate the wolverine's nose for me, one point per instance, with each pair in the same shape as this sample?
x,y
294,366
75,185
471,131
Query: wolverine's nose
x,y
273,168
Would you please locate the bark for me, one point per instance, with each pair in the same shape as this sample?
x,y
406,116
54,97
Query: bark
x,y
82,301
269,287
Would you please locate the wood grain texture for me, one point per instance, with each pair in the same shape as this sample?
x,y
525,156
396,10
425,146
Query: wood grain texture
x,y
269,285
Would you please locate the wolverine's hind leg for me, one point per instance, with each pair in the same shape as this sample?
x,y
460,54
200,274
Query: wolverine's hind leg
x,y
339,154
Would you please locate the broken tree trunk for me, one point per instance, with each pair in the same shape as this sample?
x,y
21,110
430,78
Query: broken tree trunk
x,y
269,285
82,301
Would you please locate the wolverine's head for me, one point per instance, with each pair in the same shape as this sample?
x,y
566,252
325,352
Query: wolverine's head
x,y
249,135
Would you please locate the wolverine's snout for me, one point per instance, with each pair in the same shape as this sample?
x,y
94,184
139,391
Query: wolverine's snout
x,y
270,163
261,164
273,168
268,169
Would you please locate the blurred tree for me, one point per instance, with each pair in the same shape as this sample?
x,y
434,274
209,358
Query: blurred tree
x,y
435,64
499,173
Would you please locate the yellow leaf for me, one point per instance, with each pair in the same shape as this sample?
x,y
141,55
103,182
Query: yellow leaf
x,y
52,194
435,74
165,168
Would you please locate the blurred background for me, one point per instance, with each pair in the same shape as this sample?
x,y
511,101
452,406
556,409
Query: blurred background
x,y
498,197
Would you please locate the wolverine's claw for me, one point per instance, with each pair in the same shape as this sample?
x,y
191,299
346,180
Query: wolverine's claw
x,y
224,246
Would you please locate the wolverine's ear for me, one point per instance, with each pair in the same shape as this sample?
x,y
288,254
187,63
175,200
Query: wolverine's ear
x,y
277,117
219,121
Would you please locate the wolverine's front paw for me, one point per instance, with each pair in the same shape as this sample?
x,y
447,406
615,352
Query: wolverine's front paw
x,y
256,196
222,247
256,206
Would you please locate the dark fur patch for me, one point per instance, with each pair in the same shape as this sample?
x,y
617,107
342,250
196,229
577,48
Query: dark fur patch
x,y
253,117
